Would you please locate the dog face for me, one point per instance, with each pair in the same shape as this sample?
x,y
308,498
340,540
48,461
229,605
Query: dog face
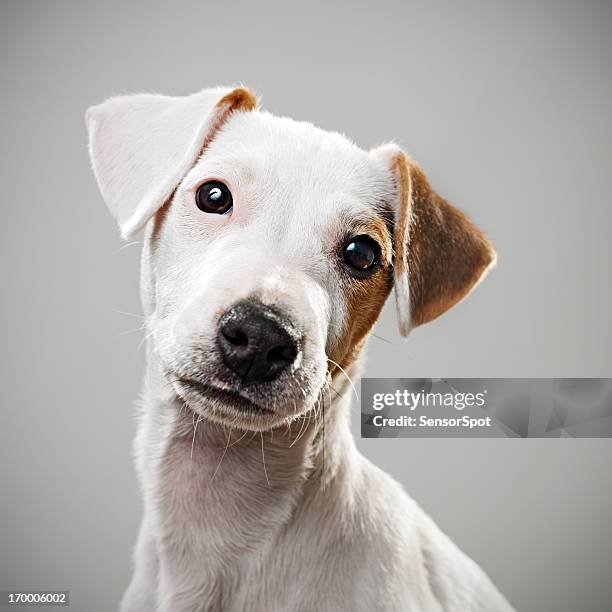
x,y
271,246
271,243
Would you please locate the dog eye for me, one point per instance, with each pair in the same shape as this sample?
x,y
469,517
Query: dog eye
x,y
361,253
214,197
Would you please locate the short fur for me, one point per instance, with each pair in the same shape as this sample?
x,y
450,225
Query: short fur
x,y
274,509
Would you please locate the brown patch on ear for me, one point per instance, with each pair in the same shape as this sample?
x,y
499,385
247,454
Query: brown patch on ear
x,y
447,253
240,99
402,221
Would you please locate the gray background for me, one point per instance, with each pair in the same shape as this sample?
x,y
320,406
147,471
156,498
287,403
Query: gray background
x,y
507,107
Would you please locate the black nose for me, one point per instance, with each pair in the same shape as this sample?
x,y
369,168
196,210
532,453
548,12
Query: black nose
x,y
255,342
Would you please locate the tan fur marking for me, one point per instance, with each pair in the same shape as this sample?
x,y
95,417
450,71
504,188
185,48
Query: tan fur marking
x,y
447,253
401,168
364,298
237,100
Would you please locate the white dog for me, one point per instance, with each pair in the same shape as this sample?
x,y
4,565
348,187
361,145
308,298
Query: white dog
x,y
270,248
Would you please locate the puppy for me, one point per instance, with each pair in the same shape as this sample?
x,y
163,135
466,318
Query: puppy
x,y
270,247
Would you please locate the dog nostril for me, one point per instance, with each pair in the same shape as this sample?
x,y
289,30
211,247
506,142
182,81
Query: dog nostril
x,y
281,354
236,337
255,343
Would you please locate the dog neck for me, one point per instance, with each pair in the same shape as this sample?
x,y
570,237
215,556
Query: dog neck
x,y
224,495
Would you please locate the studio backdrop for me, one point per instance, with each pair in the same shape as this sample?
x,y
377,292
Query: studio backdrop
x,y
507,108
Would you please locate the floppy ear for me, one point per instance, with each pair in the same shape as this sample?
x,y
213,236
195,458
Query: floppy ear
x,y
440,255
141,146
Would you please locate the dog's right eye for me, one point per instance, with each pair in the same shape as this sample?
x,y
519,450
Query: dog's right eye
x,y
361,254
214,197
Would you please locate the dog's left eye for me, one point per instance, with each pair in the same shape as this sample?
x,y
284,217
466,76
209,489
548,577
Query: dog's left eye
x,y
361,253
214,197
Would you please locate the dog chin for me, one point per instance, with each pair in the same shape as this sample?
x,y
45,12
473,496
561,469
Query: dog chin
x,y
227,407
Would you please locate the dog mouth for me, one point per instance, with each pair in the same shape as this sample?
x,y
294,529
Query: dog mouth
x,y
189,387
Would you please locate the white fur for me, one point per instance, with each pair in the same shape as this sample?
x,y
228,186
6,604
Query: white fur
x,y
143,145
273,513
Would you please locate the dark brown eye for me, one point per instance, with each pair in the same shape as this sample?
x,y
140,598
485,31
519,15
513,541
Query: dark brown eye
x,y
214,197
361,253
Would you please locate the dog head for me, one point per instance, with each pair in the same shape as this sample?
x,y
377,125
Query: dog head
x,y
271,246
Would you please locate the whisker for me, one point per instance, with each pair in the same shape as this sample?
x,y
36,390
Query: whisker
x,y
263,458
222,456
304,422
335,391
130,314
346,375
304,428
383,339
195,429
246,431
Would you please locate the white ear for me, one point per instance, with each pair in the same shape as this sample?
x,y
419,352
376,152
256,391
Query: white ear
x,y
142,146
